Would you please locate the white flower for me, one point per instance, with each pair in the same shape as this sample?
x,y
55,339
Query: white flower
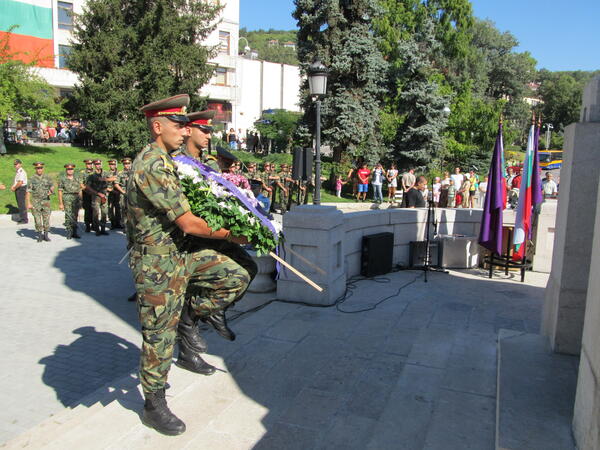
x,y
278,227
252,220
185,170
243,211
250,196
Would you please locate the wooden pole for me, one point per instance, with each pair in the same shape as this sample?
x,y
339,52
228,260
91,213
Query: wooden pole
x,y
296,271
306,261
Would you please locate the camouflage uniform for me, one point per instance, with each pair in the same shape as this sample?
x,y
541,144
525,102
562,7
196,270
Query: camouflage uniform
x,y
283,195
86,199
99,208
39,187
114,201
122,179
71,194
208,160
168,267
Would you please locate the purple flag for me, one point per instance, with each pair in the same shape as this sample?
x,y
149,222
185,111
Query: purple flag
x,y
490,233
536,180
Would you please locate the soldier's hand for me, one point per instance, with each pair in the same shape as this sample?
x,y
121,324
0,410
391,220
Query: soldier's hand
x,y
61,207
29,206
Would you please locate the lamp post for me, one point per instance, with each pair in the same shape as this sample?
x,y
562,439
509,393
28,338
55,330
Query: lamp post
x,y
246,47
317,85
549,129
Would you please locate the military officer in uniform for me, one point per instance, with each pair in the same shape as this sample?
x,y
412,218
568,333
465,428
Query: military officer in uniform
x,y
174,272
97,186
197,139
86,197
114,197
69,199
39,189
121,186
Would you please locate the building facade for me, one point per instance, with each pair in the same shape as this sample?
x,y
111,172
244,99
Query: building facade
x,y
239,91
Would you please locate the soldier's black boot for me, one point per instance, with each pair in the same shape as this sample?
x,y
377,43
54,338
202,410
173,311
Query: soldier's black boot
x,y
46,238
69,234
40,237
190,359
157,415
188,332
75,235
88,227
219,323
103,231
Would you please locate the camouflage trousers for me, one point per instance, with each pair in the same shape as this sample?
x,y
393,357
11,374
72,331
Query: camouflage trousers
x,y
41,214
210,279
99,212
123,206
72,205
114,207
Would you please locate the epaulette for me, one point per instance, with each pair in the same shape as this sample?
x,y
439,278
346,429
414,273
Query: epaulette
x,y
168,165
210,157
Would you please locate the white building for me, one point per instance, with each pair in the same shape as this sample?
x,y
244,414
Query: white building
x,y
239,91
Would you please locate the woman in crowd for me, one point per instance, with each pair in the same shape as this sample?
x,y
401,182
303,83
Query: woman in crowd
x,y
437,191
444,184
377,182
392,178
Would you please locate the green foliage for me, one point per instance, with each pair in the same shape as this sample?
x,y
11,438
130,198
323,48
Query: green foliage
x,y
339,34
23,93
258,41
131,52
280,126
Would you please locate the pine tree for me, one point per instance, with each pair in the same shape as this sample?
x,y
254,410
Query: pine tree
x,y
339,33
131,52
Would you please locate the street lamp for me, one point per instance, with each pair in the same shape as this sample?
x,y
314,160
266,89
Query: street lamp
x,y
549,128
246,47
317,85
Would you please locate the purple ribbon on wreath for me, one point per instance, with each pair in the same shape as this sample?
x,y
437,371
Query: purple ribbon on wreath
x,y
210,173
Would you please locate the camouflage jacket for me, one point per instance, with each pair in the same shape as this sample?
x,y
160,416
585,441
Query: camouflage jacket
x,y
69,185
97,181
209,160
39,186
154,199
123,178
84,175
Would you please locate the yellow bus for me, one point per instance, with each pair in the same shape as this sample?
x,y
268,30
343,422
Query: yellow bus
x,y
550,159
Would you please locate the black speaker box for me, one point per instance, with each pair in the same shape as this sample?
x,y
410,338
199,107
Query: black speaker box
x,y
308,164
297,163
417,256
377,254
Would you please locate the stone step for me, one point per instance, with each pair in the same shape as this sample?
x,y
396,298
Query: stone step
x,y
536,394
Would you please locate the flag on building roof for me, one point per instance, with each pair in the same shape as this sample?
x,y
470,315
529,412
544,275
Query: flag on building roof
x,y
490,233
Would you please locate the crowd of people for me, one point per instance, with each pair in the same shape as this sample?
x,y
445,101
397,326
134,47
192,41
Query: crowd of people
x,y
67,131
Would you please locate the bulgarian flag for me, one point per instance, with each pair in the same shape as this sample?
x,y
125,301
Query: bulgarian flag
x,y
525,206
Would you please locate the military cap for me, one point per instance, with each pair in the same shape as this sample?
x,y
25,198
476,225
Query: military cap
x,y
18,161
69,166
173,108
112,161
97,161
38,164
202,120
126,160
225,154
88,161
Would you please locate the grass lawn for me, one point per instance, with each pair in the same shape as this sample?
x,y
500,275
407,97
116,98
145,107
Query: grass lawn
x,y
53,157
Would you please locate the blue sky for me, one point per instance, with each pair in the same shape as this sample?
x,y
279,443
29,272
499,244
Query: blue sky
x,y
561,35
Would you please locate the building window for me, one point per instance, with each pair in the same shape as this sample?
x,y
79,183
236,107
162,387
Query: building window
x,y
224,42
65,16
221,76
63,56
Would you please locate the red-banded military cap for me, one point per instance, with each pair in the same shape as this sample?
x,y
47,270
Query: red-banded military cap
x,y
97,161
126,160
69,166
173,108
202,119
88,161
38,164
112,161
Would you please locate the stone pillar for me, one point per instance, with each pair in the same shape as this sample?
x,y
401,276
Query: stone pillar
x,y
586,423
566,292
316,233
544,237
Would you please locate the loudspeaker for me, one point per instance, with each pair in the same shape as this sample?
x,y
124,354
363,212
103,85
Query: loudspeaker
x,y
302,164
416,253
297,163
308,164
377,254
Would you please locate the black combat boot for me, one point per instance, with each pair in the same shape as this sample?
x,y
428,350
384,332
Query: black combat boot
x,y
188,332
189,359
103,231
88,227
219,323
40,236
69,234
157,415
75,235
46,238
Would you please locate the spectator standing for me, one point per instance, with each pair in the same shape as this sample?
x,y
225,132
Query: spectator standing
x,y
2,146
473,189
414,196
457,179
549,186
377,182
408,181
392,178
465,191
445,183
232,139
437,191
482,189
338,186
19,187
363,182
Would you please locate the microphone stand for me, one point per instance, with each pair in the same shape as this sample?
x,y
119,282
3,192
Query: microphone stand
x,y
431,221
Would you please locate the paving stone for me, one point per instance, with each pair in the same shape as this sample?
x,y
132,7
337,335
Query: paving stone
x,y
313,409
290,437
347,433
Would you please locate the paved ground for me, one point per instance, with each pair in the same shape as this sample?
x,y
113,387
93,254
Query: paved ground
x,y
419,371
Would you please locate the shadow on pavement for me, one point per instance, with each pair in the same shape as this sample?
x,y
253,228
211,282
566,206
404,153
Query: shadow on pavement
x,y
90,365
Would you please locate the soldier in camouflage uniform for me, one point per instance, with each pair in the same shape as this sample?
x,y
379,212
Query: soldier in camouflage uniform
x,y
170,268
120,185
196,141
86,197
114,197
69,199
284,185
39,189
97,185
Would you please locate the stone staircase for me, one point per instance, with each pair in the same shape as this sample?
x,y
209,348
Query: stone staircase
x,y
110,420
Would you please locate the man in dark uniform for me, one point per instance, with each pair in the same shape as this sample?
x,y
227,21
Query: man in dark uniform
x,y
114,197
97,186
180,266
86,197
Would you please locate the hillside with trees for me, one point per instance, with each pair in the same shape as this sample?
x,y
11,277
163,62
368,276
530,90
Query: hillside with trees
x,y
272,45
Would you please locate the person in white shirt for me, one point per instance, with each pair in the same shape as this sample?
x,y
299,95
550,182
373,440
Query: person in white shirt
x,y
19,187
437,190
457,178
482,188
549,186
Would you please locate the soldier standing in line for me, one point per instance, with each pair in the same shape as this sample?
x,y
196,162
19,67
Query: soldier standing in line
x,y
166,273
86,197
114,197
121,186
284,187
69,199
97,186
39,189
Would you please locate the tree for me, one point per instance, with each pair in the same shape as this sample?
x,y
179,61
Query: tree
x,y
561,92
23,93
279,126
339,33
131,52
